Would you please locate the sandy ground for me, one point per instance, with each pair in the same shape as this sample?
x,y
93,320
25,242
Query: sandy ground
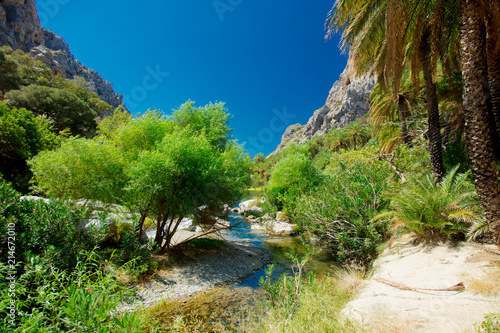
x,y
395,299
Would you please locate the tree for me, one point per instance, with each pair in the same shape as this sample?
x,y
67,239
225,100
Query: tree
x,y
293,170
212,118
385,35
81,169
148,164
22,136
81,89
259,158
63,107
476,100
357,133
336,139
9,78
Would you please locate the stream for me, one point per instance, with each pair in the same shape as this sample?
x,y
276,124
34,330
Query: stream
x,y
278,246
227,307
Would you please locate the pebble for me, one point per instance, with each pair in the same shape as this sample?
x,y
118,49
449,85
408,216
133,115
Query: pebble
x,y
232,264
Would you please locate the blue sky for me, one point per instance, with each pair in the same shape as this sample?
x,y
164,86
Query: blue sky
x,y
267,59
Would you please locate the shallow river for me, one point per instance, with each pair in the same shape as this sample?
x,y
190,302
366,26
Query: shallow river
x,y
228,307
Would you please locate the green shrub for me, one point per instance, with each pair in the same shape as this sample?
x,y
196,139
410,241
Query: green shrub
x,y
340,210
434,211
41,228
51,300
491,324
63,107
291,177
22,136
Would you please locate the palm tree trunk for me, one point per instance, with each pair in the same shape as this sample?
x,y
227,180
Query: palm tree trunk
x,y
434,127
402,119
493,53
476,100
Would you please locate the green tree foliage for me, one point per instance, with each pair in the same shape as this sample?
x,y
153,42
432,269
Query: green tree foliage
x,y
22,136
80,88
8,73
358,134
212,118
29,71
80,168
149,164
63,107
338,212
292,176
110,125
336,140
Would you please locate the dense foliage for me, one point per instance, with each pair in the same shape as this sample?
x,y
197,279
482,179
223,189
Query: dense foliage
x,y
159,167
50,278
22,136
39,100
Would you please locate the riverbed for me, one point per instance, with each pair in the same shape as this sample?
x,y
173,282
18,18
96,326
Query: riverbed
x,y
225,306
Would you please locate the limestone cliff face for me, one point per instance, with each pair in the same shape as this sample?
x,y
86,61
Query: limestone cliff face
x,y
348,100
20,28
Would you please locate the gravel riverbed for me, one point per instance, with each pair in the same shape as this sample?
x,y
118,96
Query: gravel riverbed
x,y
232,264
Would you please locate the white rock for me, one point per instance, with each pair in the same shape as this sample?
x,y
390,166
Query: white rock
x,y
246,205
34,198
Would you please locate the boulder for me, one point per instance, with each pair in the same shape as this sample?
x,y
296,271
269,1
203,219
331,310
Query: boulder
x,y
275,228
246,205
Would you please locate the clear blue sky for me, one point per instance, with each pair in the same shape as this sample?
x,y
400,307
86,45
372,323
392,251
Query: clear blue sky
x,y
267,59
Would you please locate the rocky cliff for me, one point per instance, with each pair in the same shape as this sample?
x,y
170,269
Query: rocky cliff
x,y
20,28
348,100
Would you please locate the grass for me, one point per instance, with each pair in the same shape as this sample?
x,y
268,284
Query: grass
x,y
319,308
485,282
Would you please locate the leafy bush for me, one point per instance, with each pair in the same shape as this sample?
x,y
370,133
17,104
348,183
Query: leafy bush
x,y
22,136
51,300
434,211
291,177
339,211
491,324
63,107
42,228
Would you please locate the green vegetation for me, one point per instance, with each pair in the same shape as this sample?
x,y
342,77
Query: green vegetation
x,y
435,211
154,165
22,136
432,133
60,283
41,101
63,107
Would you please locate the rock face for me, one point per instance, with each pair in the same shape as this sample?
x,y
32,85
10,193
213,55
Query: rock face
x,y
348,100
20,28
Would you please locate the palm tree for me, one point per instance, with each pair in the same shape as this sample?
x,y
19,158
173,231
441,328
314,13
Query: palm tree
x,y
492,15
476,99
386,109
357,133
386,35
434,210
336,139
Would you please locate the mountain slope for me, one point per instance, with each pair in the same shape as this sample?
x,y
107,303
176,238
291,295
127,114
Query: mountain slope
x,y
20,28
348,100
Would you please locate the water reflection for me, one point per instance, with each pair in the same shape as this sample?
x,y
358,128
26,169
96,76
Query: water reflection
x,y
278,245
